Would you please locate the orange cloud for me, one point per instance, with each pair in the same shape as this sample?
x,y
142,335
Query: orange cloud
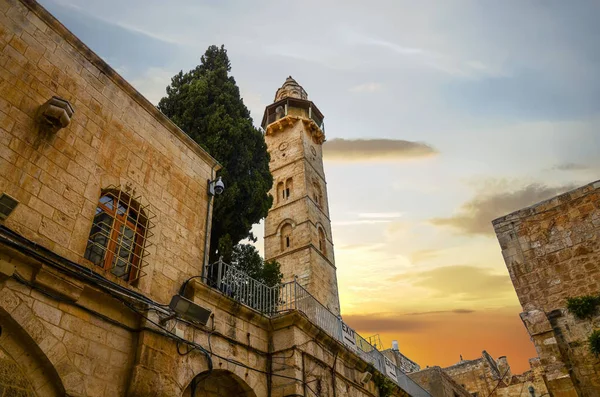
x,y
439,338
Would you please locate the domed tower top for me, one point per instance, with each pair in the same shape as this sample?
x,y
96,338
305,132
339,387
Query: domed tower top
x,y
291,102
290,89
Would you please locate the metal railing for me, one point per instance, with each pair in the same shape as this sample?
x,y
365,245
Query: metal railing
x,y
271,301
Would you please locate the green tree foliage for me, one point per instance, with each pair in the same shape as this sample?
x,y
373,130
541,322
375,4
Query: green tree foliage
x,y
247,258
205,103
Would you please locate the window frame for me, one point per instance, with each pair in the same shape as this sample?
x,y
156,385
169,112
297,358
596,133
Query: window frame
x,y
123,207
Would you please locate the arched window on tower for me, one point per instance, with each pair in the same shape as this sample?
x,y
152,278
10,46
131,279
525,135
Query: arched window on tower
x,y
289,185
322,241
286,236
317,194
279,112
280,192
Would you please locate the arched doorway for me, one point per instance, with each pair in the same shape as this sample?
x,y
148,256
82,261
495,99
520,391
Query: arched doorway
x,y
218,383
24,368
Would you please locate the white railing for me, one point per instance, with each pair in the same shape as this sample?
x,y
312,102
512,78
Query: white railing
x,y
271,301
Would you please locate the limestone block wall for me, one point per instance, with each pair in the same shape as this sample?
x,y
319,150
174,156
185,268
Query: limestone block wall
x,y
286,146
552,251
314,157
302,351
438,383
401,361
116,137
518,385
323,281
475,376
89,356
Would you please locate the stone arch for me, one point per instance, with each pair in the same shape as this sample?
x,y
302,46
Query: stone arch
x,y
280,192
317,193
322,239
283,223
286,236
218,383
284,232
24,367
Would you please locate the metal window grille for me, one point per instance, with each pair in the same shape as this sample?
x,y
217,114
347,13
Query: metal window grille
x,y
119,236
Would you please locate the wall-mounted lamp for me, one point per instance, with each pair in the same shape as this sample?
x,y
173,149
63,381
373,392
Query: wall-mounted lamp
x,y
216,187
531,390
188,310
55,114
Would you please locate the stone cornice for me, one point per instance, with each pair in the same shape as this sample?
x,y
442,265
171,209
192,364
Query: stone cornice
x,y
288,121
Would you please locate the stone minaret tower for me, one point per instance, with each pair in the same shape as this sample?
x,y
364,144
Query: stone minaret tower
x,y
297,228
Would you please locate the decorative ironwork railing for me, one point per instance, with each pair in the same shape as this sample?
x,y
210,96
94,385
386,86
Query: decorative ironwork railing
x,y
271,301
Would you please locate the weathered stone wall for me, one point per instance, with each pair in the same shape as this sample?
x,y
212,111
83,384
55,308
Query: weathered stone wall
x,y
401,361
116,138
518,385
438,383
303,351
473,375
485,377
552,251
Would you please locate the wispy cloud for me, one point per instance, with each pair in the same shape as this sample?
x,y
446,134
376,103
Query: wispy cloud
x,y
380,215
446,63
361,222
367,87
456,311
384,323
476,215
347,150
571,167
464,283
152,83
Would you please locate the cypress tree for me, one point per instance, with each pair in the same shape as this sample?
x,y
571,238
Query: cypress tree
x,y
205,103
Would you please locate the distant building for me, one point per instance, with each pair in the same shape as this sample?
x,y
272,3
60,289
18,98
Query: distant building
x,y
486,377
438,383
400,360
552,252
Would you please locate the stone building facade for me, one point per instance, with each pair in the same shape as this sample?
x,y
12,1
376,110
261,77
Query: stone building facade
x,y
486,377
552,252
438,383
297,228
103,219
401,361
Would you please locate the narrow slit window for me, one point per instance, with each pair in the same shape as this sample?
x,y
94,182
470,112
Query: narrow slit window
x,y
286,236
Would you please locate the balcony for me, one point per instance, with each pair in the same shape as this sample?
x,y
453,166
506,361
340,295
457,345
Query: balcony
x,y
293,107
272,301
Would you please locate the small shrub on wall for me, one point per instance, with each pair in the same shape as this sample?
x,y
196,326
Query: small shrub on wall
x,y
583,307
594,342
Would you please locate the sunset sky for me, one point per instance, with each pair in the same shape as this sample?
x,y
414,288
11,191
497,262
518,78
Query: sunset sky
x,y
453,112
